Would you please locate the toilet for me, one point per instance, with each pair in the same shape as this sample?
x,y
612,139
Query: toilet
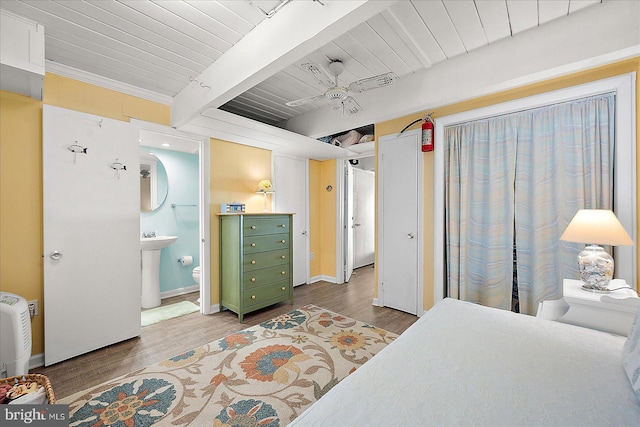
x,y
196,275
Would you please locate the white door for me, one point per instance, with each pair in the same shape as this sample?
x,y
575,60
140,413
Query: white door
x,y
291,195
364,205
91,232
348,223
398,223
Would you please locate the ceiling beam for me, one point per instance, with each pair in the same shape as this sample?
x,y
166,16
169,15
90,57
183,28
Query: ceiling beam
x,y
558,48
299,28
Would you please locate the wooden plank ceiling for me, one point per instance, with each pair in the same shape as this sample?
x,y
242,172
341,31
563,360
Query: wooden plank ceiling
x,y
162,46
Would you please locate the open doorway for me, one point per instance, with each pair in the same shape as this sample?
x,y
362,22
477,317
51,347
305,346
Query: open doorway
x,y
359,214
181,210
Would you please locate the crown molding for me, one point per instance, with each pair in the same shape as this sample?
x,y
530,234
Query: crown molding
x,y
105,82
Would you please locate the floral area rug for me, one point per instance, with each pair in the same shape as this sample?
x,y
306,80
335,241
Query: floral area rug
x,y
265,375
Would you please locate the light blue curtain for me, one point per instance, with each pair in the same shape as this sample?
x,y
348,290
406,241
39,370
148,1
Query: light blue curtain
x,y
523,175
479,176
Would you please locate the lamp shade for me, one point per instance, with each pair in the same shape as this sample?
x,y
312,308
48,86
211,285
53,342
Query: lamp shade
x,y
596,226
264,185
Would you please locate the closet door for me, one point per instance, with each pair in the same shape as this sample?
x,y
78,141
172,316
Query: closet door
x,y
291,196
91,233
399,240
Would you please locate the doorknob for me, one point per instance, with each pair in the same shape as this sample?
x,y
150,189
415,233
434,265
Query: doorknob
x,y
55,255
410,236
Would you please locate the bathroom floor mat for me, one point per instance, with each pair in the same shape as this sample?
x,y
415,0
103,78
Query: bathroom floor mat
x,y
160,314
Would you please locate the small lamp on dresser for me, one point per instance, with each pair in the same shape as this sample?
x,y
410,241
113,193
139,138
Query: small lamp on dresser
x,y
264,188
596,227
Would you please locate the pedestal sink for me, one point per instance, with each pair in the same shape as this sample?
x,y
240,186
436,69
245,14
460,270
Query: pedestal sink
x,y
150,248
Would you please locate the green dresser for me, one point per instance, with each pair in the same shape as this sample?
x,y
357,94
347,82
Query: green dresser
x,y
256,254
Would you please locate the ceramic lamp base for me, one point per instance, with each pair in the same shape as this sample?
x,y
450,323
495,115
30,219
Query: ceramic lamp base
x,y
596,268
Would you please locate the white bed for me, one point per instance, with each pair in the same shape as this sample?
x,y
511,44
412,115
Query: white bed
x,y
464,364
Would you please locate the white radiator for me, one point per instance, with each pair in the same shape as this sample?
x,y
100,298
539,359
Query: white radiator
x,y
15,335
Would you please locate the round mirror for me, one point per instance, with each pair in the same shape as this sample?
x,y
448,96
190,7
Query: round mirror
x,y
153,182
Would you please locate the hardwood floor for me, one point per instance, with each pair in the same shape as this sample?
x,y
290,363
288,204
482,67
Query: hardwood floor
x,y
172,337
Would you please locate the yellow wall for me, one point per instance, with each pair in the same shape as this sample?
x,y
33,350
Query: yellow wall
x,y
75,95
315,217
21,270
21,266
236,171
396,125
328,218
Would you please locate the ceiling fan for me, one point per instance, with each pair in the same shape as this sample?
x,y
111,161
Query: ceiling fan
x,y
339,95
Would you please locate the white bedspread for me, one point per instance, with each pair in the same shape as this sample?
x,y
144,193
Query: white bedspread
x,y
464,364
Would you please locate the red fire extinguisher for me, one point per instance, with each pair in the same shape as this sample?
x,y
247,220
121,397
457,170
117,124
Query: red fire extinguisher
x,y
427,134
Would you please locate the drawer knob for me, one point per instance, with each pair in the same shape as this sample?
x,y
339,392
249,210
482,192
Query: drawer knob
x,y
253,245
253,227
284,225
283,272
253,297
284,289
253,279
283,257
282,240
253,261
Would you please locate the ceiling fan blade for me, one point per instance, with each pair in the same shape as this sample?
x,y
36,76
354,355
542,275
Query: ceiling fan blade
x,y
373,82
351,106
319,73
303,101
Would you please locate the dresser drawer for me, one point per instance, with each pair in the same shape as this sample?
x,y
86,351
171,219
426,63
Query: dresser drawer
x,y
275,291
266,275
270,242
256,226
256,261
259,260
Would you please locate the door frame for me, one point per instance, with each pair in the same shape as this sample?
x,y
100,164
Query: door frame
x,y
307,249
204,232
348,222
341,220
420,226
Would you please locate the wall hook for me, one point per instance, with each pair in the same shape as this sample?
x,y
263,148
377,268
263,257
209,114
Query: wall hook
x,y
117,166
75,149
202,85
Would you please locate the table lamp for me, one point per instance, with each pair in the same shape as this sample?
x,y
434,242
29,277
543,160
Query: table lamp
x,y
596,227
264,187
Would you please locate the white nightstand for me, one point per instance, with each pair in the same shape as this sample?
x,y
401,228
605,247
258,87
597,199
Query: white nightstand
x,y
610,312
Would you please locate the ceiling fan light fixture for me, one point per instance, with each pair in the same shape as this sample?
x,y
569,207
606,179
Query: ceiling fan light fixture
x,y
336,94
339,96
336,67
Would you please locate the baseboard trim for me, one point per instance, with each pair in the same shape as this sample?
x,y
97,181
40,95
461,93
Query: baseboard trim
x,y
36,361
330,279
179,291
215,308
376,302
